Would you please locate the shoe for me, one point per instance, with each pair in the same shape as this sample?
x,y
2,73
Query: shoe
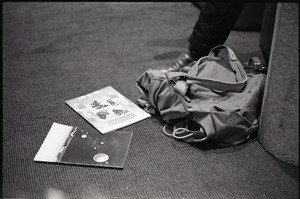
x,y
184,59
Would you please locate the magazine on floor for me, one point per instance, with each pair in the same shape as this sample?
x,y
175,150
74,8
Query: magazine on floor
x,y
72,145
107,109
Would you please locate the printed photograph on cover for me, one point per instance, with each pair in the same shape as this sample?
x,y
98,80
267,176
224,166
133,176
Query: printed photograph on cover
x,y
72,145
107,109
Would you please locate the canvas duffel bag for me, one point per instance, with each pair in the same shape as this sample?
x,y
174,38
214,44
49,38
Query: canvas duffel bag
x,y
214,99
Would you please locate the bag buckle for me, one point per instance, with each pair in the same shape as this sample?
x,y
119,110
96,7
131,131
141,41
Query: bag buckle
x,y
255,64
253,127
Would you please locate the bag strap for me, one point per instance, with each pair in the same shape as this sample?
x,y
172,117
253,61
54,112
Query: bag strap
x,y
184,133
233,60
241,76
181,131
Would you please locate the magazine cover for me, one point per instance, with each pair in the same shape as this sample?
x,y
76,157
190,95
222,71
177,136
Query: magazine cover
x,y
72,145
107,109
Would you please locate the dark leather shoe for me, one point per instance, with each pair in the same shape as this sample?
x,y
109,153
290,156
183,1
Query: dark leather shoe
x,y
184,59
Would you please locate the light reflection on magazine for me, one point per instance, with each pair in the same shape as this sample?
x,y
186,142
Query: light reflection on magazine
x,y
66,144
72,145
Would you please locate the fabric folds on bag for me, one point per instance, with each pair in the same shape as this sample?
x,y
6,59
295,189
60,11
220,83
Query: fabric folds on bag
x,y
215,94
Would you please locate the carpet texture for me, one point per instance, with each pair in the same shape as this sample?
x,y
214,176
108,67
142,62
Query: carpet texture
x,y
53,52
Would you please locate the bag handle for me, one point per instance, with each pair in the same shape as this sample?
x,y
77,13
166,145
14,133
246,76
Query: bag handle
x,y
233,60
241,76
215,51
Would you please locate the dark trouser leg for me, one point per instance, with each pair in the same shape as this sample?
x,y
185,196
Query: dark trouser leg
x,y
213,26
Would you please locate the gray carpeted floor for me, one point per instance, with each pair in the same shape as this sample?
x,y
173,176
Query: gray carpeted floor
x,y
53,52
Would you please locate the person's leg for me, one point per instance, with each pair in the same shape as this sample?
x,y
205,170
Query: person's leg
x,y
213,26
